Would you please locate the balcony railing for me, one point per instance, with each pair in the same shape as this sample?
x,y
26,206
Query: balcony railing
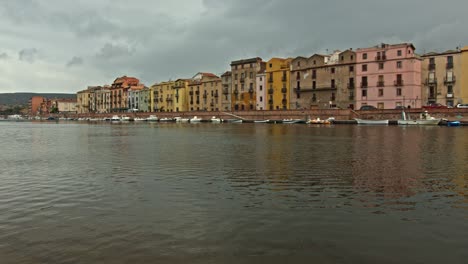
x,y
270,91
449,80
380,57
398,83
431,81
351,85
380,84
284,90
364,85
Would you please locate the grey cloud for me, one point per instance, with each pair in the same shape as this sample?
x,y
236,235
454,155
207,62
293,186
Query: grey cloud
x,y
75,61
111,51
28,55
4,56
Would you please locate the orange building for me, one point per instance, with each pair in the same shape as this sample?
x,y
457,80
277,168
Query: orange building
x,y
119,92
35,104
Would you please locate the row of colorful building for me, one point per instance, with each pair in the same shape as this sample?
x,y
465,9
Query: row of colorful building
x,y
385,76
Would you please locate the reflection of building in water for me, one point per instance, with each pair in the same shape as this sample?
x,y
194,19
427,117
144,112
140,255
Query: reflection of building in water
x,y
386,162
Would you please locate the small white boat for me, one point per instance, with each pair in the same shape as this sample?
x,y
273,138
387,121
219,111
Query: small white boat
x,y
114,118
139,119
214,119
125,118
261,121
236,121
424,120
15,117
291,121
152,118
94,119
371,122
182,119
195,119
166,119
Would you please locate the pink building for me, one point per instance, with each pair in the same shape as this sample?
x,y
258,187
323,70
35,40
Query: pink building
x,y
388,76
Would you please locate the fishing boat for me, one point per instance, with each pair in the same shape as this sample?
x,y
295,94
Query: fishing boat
x,y
114,118
215,119
371,122
425,119
195,119
152,118
261,121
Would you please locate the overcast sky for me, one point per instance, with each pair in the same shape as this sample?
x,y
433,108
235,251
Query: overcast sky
x,y
64,45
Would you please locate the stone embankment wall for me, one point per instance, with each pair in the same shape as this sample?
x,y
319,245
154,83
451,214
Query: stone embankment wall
x,y
345,114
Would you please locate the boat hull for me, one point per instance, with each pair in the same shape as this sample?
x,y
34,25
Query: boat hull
x,y
419,122
371,122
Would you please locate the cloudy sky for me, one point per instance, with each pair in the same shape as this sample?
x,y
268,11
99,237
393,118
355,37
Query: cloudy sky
x,y
65,45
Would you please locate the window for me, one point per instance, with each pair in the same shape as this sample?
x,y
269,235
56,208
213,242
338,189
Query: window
x,y
315,62
399,53
364,82
314,74
298,75
450,89
314,85
450,59
398,91
261,98
271,65
364,93
352,57
251,75
298,64
380,92
342,57
364,56
333,83
380,105
261,87
364,67
242,87
332,70
398,64
381,66
235,76
251,65
351,68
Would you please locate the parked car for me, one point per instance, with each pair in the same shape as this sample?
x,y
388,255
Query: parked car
x,y
367,107
435,106
462,105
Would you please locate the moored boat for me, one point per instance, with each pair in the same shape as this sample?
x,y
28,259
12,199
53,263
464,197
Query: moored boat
x,y
139,119
237,121
152,118
195,119
425,119
453,123
261,121
115,118
371,122
182,119
215,119
166,119
125,118
291,121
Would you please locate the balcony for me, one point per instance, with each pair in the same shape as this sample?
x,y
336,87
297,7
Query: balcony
x,y
161,100
205,95
270,91
449,65
449,95
216,94
284,101
251,90
242,80
380,57
432,66
398,83
364,85
197,93
284,78
449,80
198,102
284,90
212,104
351,85
191,93
225,91
270,101
431,81
381,84
432,96
270,80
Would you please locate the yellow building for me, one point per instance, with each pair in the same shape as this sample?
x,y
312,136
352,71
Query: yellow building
x,y
162,96
464,76
277,83
181,87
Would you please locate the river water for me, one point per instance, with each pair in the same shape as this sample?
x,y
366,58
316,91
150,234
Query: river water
x,y
232,193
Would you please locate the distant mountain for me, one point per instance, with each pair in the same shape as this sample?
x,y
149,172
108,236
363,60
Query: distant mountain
x,y
23,98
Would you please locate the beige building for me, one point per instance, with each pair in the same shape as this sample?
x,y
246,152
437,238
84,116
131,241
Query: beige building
x,y
65,106
181,87
244,78
323,81
226,80
205,91
439,76
83,101
164,96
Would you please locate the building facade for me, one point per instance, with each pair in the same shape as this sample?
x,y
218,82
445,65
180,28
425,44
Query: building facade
x,y
227,91
205,90
102,100
35,105
261,91
464,76
65,106
439,76
181,87
83,101
119,92
278,84
244,77
164,93
144,98
388,76
323,81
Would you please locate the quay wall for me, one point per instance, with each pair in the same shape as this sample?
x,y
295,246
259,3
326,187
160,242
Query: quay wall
x,y
338,114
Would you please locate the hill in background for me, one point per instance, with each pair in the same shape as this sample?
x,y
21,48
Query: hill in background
x,y
23,98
